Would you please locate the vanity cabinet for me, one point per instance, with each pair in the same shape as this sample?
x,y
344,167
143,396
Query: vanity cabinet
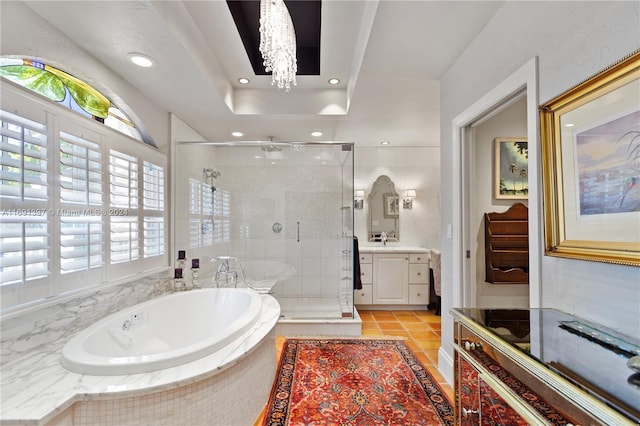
x,y
418,279
393,278
364,296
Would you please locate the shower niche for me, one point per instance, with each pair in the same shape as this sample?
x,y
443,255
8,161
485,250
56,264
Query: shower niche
x,y
283,209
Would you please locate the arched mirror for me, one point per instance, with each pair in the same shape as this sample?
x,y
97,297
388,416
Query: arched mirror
x,y
384,211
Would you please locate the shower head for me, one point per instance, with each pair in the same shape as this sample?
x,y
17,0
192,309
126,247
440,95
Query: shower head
x,y
210,173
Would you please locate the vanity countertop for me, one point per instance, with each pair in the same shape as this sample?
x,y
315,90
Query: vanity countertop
x,y
36,388
393,249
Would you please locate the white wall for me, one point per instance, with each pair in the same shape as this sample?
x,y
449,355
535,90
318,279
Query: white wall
x,y
26,33
511,122
572,40
409,168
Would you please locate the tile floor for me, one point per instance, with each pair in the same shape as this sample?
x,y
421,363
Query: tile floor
x,y
420,328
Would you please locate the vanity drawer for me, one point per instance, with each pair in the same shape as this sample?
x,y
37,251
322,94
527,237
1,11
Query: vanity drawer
x,y
366,258
418,294
418,273
364,296
366,273
419,258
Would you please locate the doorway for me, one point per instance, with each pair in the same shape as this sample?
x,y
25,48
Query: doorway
x,y
520,87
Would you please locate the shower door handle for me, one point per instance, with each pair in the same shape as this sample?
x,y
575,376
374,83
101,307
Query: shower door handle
x,y
298,231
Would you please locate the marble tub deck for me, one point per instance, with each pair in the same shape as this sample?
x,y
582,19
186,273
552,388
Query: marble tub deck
x,y
36,388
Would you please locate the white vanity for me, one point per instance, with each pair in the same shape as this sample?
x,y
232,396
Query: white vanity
x,y
395,277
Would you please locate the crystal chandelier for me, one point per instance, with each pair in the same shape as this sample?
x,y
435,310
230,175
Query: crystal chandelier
x,y
278,43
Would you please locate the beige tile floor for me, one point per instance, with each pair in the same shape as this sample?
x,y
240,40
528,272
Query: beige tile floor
x,y
421,329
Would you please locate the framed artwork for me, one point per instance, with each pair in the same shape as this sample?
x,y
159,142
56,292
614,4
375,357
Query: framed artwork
x,y
511,169
591,167
391,205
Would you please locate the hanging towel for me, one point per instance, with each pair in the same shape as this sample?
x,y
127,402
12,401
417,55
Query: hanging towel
x,y
357,278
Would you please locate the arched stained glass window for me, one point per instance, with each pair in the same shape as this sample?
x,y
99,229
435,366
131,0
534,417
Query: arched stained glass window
x,y
69,91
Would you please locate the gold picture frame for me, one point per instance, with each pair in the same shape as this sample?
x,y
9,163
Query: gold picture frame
x,y
591,167
511,169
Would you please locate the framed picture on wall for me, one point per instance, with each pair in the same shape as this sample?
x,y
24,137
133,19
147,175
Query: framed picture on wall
x,y
511,168
391,205
591,167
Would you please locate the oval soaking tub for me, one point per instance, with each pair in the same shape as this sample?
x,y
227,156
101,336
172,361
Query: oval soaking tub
x,y
165,332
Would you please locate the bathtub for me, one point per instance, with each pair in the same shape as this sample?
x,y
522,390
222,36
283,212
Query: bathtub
x,y
162,333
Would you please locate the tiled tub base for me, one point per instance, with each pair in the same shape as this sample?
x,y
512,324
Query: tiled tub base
x,y
235,396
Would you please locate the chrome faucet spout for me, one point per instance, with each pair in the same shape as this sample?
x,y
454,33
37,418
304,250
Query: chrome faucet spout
x,y
384,238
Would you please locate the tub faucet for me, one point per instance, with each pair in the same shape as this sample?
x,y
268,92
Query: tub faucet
x,y
384,238
224,272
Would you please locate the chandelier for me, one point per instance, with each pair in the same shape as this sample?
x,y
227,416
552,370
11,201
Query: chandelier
x,y
278,43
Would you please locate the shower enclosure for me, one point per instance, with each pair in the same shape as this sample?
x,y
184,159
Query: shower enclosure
x,y
285,211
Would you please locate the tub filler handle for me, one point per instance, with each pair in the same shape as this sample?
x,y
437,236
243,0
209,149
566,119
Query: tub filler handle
x,y
122,337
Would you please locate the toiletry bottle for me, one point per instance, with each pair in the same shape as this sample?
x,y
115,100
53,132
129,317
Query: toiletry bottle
x,y
178,281
195,268
182,258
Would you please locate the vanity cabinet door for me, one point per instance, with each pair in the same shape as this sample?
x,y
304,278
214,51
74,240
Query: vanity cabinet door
x,y
391,278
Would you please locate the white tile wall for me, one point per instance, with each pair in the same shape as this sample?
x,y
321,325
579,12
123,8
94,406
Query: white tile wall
x,y
409,168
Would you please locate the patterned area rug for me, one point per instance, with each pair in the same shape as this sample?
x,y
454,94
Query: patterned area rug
x,y
354,382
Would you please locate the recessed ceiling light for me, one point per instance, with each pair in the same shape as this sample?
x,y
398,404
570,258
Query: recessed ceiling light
x,y
334,81
569,125
316,134
141,60
385,142
237,134
244,80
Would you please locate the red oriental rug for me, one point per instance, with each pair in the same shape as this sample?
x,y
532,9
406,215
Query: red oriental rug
x,y
354,382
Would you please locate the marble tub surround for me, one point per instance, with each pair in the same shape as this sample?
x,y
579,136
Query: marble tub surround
x,y
50,325
36,388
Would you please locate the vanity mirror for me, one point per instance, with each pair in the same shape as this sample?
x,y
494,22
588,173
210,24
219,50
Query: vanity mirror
x,y
383,211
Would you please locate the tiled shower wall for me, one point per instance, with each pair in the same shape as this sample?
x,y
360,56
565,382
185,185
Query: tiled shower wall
x,y
299,188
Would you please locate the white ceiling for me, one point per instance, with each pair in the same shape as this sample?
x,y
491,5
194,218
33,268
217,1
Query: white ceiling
x,y
388,54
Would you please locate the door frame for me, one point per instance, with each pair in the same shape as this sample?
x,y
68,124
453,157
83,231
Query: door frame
x,y
524,81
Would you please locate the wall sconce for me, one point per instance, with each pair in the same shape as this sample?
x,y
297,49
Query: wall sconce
x,y
408,201
358,199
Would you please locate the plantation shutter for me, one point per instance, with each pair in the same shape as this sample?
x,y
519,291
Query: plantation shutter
x,y
81,221
124,225
153,206
222,213
24,229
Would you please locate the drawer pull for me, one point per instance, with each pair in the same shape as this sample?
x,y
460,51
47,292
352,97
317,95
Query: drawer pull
x,y
472,346
418,294
361,294
419,258
466,412
419,273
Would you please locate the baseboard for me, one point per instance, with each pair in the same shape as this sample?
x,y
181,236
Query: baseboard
x,y
445,365
420,307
